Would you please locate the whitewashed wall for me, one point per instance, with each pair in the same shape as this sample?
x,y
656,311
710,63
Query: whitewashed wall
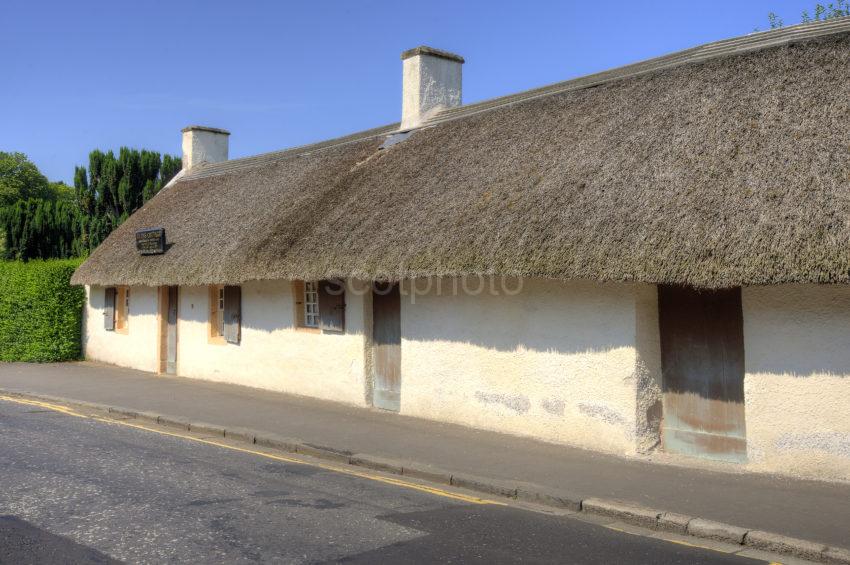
x,y
558,361
555,362
568,362
797,385
429,83
135,349
648,378
273,354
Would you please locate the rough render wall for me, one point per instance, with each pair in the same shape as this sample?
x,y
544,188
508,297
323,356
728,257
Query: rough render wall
x,y
797,384
272,353
555,362
428,83
201,146
647,369
576,363
137,348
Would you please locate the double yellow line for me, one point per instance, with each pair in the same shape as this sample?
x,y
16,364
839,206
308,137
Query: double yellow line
x,y
335,468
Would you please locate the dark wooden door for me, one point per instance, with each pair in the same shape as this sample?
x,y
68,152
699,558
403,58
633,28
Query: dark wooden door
x,y
702,359
332,305
232,314
171,332
386,336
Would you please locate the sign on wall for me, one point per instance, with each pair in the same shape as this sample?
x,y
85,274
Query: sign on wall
x,y
150,241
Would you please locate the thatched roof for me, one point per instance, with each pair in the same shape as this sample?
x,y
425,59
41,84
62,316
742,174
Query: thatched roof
x,y
724,165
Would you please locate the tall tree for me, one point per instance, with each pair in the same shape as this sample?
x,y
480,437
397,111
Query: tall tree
x,y
38,228
21,179
114,187
44,220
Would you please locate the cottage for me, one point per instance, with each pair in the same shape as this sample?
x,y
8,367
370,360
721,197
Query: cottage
x,y
655,257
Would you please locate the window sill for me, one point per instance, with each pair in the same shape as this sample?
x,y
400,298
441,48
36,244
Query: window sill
x,y
217,340
306,330
122,331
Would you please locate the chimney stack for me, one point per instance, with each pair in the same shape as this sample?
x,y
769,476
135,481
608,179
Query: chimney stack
x,y
431,82
203,145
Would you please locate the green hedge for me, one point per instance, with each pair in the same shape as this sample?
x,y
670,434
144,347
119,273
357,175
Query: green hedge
x,y
40,312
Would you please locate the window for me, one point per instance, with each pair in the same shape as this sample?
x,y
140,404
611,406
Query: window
x,y
122,309
319,305
225,314
217,314
311,305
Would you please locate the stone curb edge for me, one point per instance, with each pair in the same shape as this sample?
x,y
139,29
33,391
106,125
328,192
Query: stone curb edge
x,y
623,511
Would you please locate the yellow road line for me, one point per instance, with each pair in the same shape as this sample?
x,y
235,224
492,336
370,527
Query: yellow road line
x,y
361,474
678,542
41,404
364,475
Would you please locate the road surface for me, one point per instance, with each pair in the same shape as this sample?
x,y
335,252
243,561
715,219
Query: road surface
x,y
83,490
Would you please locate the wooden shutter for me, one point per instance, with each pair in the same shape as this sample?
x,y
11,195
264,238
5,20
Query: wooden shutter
x,y
232,313
332,306
109,309
121,309
298,301
214,330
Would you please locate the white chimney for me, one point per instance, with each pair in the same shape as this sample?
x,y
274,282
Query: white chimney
x,y
203,145
432,82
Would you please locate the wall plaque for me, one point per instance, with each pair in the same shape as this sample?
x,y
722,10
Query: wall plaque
x,y
151,241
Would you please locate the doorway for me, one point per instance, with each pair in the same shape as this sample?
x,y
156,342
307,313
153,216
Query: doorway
x,y
168,330
386,346
702,361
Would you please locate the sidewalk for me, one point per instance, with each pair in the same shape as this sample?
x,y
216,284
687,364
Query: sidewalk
x,y
801,509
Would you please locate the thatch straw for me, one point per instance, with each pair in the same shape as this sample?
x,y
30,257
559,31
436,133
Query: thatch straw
x,y
723,172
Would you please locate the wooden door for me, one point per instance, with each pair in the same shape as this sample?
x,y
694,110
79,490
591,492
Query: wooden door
x,y
331,305
232,330
109,309
386,339
702,359
171,332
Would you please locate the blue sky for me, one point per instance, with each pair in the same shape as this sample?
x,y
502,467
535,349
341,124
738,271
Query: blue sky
x,y
89,74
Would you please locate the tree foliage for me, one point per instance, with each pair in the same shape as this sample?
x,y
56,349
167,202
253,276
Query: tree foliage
x,y
40,312
51,220
839,9
38,228
20,179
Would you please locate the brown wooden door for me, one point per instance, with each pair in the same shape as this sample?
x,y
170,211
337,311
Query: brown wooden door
x,y
386,336
171,332
702,357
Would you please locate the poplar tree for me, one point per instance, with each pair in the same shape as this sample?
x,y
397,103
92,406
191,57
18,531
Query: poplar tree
x,y
46,220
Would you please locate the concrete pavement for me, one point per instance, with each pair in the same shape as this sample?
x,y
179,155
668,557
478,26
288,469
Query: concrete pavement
x,y
92,490
802,509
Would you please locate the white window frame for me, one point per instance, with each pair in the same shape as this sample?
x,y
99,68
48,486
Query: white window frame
x,y
311,304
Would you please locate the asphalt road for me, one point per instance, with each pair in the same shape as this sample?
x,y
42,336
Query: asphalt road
x,y
79,490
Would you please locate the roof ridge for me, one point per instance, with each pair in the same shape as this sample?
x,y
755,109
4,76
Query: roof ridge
x,y
730,46
211,169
